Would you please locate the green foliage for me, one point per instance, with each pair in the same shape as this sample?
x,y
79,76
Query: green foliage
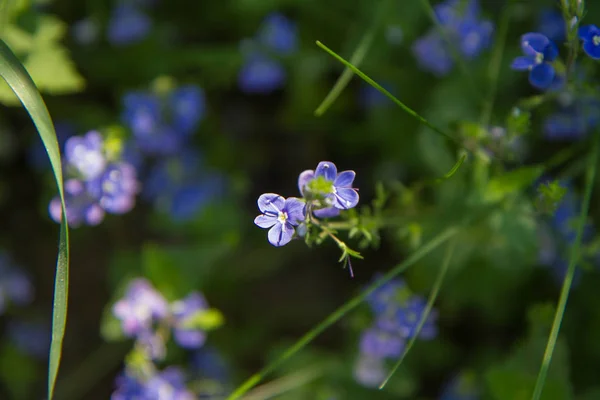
x,y
549,196
511,183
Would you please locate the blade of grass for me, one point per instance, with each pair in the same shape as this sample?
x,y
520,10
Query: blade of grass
x,y
432,297
285,384
356,59
389,95
13,72
573,260
343,310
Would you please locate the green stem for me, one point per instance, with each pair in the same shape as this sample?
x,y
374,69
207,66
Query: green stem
x,y
573,260
285,384
495,63
343,310
432,297
389,95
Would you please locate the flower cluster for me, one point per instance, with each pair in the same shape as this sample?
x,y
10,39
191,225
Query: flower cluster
x,y
397,313
261,72
97,181
461,29
163,123
325,192
146,316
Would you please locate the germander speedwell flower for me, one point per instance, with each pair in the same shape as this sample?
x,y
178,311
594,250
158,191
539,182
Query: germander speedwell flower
x,y
281,215
539,53
590,35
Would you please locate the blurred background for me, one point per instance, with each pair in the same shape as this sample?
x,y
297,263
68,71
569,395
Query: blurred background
x,y
196,108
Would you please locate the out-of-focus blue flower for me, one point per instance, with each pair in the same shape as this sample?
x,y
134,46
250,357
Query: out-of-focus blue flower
x,y
280,216
208,363
188,107
261,72
381,344
552,25
128,24
590,35
152,343
81,207
184,311
404,319
539,53
141,306
278,34
369,371
86,154
116,188
461,28
128,388
462,387
387,295
15,285
169,384
30,337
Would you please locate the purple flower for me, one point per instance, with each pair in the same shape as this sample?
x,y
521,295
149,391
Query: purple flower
x,y
369,371
432,53
280,215
337,188
406,317
15,285
141,306
116,189
152,344
387,295
261,74
127,25
128,388
278,34
539,53
86,154
381,344
208,363
474,36
81,207
188,106
184,311
590,35
168,385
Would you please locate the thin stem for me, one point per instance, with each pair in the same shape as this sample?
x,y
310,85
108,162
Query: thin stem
x,y
343,310
495,63
285,384
389,95
432,297
573,260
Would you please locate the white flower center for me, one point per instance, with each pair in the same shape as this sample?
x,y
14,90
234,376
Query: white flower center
x,y
282,217
596,40
539,58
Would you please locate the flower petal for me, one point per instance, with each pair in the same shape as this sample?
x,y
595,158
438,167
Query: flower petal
x,y
344,179
188,338
523,63
591,50
304,178
587,32
295,210
270,202
541,76
328,212
280,234
346,198
327,170
550,52
532,43
265,221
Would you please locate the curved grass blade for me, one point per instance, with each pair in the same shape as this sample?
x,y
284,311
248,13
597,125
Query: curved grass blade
x,y
454,168
13,72
573,260
343,310
432,297
356,59
389,95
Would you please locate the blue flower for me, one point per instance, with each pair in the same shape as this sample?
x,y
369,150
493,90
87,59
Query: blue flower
x,y
590,35
127,25
278,34
379,343
552,25
141,306
15,285
387,295
280,215
539,53
128,388
405,319
169,384
337,188
209,364
82,208
432,53
86,154
188,107
474,37
116,189
369,371
261,74
183,310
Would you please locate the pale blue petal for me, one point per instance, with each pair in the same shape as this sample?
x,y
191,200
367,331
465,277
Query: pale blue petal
x,y
295,210
280,235
328,212
522,63
327,170
265,221
532,43
587,32
346,198
344,179
591,50
304,178
270,202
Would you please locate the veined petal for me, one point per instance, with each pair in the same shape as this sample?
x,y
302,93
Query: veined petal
x,y
346,198
270,202
304,178
327,170
295,210
542,76
265,221
587,32
522,63
328,212
591,49
281,234
344,179
532,43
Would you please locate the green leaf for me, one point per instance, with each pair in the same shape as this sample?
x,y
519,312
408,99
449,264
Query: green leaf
x,y
21,83
511,182
206,320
